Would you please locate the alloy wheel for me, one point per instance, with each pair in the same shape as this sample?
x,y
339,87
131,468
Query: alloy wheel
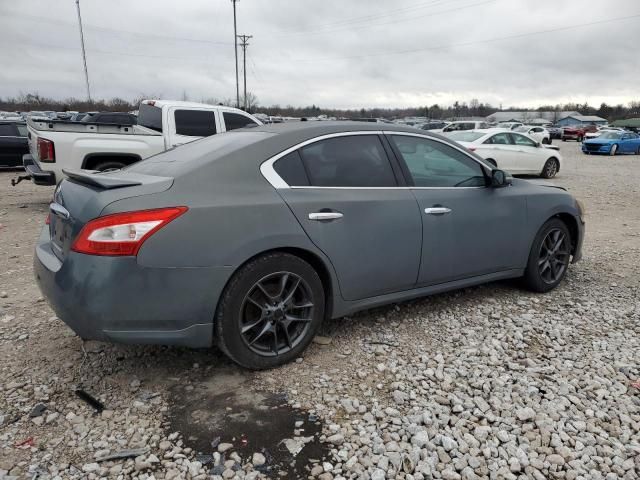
x,y
554,256
552,169
276,313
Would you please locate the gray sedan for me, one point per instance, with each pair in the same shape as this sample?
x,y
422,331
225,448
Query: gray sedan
x,y
250,239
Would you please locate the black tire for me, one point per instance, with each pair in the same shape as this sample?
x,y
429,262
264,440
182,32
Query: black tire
x,y
546,141
491,161
614,150
533,278
564,139
109,165
551,168
236,301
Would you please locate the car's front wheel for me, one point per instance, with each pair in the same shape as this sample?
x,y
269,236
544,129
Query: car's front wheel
x,y
614,149
270,311
550,168
549,257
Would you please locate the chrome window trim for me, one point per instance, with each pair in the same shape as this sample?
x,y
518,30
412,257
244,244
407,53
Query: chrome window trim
x,y
269,173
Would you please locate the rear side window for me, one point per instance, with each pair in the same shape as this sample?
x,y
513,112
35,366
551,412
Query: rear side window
x,y
351,161
22,130
195,123
7,130
435,164
235,120
150,117
291,170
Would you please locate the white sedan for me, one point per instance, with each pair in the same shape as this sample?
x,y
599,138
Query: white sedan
x,y
539,134
512,151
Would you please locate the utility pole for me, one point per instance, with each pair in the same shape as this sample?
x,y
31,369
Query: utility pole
x,y
235,42
244,46
84,55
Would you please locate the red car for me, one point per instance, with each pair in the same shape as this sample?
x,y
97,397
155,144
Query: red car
x,y
577,133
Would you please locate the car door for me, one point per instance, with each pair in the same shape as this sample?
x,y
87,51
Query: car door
x,y
629,143
187,125
12,145
500,148
468,228
344,191
527,154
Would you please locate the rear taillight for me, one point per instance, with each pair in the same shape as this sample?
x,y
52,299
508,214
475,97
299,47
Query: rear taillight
x,y
46,153
123,233
48,219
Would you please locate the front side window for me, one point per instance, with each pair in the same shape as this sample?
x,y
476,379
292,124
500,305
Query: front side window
x,y
522,140
435,164
195,123
235,120
350,161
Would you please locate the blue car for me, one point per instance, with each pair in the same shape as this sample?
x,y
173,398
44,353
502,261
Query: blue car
x,y
612,143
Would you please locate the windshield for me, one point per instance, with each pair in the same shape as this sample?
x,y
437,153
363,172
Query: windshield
x,y
611,135
465,136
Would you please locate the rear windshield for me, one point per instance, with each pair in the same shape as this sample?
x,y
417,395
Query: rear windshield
x,y
465,136
150,117
193,155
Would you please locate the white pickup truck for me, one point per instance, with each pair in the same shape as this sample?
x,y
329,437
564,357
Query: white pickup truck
x,y
162,124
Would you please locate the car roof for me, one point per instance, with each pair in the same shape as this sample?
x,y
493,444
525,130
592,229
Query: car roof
x,y
178,103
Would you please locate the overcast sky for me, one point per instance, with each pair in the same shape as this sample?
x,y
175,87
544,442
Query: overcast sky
x,y
332,53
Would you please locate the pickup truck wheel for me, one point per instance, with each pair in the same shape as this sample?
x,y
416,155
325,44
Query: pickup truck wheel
x,y
109,166
614,149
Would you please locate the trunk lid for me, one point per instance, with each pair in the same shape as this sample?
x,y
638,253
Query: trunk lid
x,y
84,195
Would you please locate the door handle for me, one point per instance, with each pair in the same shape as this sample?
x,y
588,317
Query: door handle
x,y
437,210
324,216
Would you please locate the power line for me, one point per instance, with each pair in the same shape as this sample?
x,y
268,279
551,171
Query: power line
x,y
119,31
472,42
390,22
366,18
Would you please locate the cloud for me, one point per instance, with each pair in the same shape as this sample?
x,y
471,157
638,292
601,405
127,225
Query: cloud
x,y
361,53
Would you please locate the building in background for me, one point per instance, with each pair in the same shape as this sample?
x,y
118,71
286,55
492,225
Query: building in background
x,y
581,120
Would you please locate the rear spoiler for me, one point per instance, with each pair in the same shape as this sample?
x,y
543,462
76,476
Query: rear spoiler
x,y
100,180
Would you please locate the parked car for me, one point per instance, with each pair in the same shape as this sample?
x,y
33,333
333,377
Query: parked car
x,y
463,125
612,143
13,143
512,151
509,125
539,134
249,240
433,125
601,130
118,118
554,132
162,124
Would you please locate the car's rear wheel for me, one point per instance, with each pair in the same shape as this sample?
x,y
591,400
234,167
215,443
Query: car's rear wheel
x,y
546,141
614,149
270,311
109,166
549,257
550,168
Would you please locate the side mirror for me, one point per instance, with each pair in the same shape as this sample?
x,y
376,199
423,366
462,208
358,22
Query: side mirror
x,y
500,178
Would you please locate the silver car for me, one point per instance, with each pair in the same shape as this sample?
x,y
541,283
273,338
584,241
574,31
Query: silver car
x,y
250,239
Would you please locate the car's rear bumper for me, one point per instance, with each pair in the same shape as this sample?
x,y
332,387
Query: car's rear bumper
x,y
38,176
116,299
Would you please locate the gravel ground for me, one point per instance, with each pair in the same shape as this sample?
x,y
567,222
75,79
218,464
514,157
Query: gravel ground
x,y
488,382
